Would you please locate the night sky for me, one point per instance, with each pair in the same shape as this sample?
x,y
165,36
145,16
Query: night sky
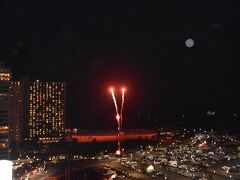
x,y
139,44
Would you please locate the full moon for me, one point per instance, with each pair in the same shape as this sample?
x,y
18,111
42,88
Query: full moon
x,y
189,43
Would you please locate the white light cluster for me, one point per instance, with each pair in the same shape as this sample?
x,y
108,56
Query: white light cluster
x,y
6,169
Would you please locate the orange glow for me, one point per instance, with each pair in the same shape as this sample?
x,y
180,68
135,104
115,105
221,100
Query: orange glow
x,y
118,152
103,137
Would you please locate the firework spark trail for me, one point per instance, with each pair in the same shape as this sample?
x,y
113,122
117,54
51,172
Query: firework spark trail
x,y
116,107
114,100
123,90
119,118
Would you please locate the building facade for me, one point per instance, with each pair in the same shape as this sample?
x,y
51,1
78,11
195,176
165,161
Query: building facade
x,y
16,114
47,102
5,82
29,110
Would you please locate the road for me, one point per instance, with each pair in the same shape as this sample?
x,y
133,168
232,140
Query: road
x,y
59,170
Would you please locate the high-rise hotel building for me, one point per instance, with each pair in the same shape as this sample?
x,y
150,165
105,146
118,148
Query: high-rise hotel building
x,y
5,82
47,102
29,110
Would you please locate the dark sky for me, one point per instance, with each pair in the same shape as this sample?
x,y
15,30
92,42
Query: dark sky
x,y
139,44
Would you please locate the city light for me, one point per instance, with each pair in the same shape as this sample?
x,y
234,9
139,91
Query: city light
x,y
6,169
150,169
113,176
40,96
118,152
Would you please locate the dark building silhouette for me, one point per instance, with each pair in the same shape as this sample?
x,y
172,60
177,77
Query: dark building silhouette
x,y
16,116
